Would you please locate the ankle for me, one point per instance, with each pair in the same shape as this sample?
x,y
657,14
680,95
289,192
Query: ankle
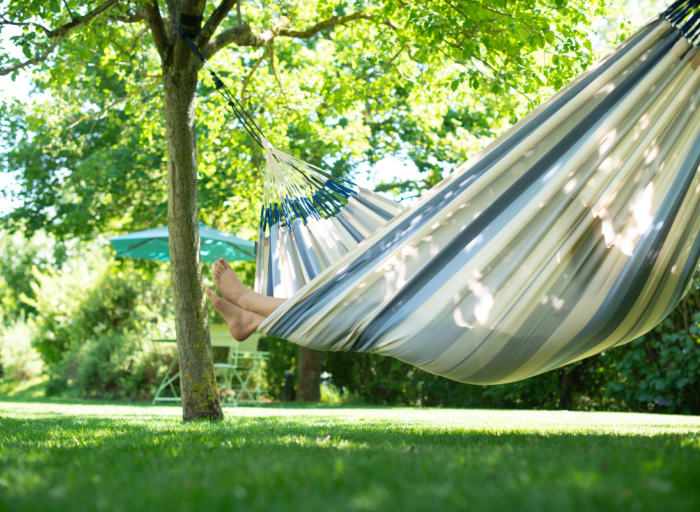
x,y
244,298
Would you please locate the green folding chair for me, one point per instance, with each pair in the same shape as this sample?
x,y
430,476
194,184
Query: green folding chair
x,y
240,378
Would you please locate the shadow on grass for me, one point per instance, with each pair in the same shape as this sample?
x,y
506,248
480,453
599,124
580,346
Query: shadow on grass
x,y
314,463
29,397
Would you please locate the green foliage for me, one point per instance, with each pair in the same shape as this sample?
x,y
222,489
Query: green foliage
x,y
95,296
373,379
426,81
661,370
18,257
110,366
18,359
283,358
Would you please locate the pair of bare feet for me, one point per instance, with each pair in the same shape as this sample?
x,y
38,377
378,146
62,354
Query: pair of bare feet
x,y
242,309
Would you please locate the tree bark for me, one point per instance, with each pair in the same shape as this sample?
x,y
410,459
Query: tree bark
x,y
198,383
309,381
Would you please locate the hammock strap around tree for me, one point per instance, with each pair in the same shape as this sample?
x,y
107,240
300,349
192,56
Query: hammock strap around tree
x,y
189,29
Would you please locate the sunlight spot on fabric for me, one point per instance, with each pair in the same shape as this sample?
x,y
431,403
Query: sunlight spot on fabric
x,y
626,247
475,242
608,232
644,122
607,89
651,154
570,185
607,141
410,251
459,319
483,308
557,303
642,217
609,165
641,211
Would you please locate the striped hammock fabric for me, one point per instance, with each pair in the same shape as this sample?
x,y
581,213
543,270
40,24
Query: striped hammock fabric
x,y
574,232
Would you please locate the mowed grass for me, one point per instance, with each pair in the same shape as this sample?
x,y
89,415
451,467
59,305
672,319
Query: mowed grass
x,y
110,457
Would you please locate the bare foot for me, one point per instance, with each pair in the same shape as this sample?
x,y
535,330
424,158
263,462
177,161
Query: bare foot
x,y
241,323
228,284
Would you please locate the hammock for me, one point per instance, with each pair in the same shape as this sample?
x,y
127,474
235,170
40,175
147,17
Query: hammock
x,y
573,232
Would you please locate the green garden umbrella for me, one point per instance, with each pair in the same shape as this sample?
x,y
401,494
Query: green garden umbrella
x,y
152,244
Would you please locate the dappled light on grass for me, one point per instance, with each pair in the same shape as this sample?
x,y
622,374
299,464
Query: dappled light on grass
x,y
83,457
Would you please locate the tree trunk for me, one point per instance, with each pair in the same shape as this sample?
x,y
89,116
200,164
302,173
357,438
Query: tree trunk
x,y
198,383
309,381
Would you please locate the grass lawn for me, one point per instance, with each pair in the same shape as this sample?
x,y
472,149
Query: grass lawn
x,y
94,456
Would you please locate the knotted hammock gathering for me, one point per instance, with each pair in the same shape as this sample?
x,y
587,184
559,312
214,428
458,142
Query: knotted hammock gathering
x,y
575,231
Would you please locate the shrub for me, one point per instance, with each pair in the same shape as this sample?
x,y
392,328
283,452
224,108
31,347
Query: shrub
x,y
18,359
109,366
283,357
95,296
19,255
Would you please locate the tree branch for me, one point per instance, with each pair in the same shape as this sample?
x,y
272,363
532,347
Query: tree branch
x,y
271,45
99,112
242,35
58,34
155,21
246,82
63,30
133,17
386,64
215,20
330,22
65,4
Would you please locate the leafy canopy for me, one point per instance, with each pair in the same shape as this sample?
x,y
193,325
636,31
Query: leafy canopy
x,y
338,83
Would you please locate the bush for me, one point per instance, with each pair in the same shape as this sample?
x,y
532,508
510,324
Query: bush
x,y
18,359
283,357
18,257
109,366
95,296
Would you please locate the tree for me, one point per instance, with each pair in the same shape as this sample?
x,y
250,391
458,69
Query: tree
x,y
375,77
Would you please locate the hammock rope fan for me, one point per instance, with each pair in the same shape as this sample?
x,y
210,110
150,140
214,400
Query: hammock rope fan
x,y
575,231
